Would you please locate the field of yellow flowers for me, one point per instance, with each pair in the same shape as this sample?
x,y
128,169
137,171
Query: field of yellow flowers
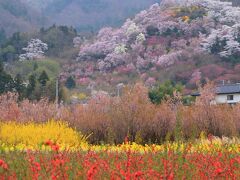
x,y
53,150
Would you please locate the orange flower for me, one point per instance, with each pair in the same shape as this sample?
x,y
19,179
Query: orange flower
x,y
185,18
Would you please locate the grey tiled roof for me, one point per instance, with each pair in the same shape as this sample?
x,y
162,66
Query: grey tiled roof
x,y
224,89
228,89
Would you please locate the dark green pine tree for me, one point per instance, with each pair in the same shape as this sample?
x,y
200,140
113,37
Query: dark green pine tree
x,y
3,36
70,83
6,81
19,86
43,79
31,86
35,66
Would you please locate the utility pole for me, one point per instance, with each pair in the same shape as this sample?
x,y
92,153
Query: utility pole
x,y
57,92
119,87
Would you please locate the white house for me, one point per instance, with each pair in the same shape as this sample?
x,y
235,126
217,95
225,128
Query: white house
x,y
226,94
229,93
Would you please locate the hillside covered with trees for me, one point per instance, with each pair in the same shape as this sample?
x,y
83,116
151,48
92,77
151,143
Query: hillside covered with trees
x,y
16,16
184,41
84,15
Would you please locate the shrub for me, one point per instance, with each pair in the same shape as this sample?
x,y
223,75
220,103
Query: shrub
x,y
163,91
133,115
33,135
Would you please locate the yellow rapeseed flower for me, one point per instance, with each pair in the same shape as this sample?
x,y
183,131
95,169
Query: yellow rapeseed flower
x,y
32,135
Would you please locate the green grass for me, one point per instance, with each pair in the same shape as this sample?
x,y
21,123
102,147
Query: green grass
x,y
26,68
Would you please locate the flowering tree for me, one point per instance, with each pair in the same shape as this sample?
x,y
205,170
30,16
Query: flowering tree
x,y
224,37
224,41
77,41
34,50
160,37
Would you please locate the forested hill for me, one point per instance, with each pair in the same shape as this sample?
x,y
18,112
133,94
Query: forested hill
x,y
179,40
16,16
184,41
85,15
94,14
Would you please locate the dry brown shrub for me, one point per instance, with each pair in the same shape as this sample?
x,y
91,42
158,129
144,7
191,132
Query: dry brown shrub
x,y
112,119
9,109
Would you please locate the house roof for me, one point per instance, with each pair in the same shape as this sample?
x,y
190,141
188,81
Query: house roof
x,y
228,89
224,89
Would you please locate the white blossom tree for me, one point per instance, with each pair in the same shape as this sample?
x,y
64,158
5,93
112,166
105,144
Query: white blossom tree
x,y
35,50
225,41
118,48
77,41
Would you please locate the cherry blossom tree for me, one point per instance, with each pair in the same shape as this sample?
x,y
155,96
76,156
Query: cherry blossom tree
x,y
35,50
131,48
225,41
77,41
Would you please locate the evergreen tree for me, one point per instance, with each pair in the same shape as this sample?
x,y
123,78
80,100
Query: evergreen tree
x,y
6,81
35,66
31,86
19,86
43,79
3,36
167,89
70,83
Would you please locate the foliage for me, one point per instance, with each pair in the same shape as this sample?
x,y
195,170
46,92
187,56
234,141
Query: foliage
x,y
58,41
19,10
58,38
36,83
164,91
130,114
6,81
110,13
35,50
3,36
17,16
19,86
208,159
152,31
224,41
144,46
12,48
70,83
192,12
32,82
27,68
33,135
43,78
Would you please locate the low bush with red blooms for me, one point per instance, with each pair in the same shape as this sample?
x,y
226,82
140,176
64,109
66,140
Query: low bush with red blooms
x,y
126,164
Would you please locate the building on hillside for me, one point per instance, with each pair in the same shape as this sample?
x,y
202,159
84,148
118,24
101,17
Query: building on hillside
x,y
226,94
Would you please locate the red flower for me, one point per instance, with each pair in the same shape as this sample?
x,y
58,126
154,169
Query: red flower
x,y
171,176
48,143
218,171
55,147
91,172
3,164
138,174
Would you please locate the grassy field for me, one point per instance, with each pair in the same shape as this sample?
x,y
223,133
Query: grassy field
x,y
27,68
